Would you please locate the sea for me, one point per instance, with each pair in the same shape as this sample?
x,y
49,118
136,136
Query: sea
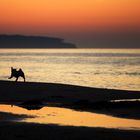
x,y
100,68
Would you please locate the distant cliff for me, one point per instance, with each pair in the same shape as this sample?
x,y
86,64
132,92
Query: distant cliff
x,y
20,41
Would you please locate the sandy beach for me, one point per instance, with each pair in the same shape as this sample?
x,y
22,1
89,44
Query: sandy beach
x,y
11,91
67,96
25,131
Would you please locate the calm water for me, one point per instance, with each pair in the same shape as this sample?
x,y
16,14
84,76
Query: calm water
x,y
68,117
103,68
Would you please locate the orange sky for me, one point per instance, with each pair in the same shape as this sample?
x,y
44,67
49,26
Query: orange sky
x,y
60,16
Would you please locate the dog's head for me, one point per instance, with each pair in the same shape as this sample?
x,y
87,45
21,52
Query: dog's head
x,y
13,71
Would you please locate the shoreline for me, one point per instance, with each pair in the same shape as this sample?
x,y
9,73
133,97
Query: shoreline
x,y
32,95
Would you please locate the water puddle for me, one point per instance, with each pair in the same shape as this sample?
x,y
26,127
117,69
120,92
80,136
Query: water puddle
x,y
68,117
124,100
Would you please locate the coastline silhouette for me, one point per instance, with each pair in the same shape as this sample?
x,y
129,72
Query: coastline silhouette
x,y
21,41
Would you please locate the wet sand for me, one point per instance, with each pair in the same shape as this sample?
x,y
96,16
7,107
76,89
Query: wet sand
x,y
13,92
32,131
71,96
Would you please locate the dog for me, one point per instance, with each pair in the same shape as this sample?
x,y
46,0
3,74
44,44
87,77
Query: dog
x,y
17,73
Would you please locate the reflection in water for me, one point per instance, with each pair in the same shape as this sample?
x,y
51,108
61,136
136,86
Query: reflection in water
x,y
62,116
32,105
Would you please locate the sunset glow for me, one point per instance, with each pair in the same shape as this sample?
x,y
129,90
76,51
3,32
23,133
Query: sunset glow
x,y
58,16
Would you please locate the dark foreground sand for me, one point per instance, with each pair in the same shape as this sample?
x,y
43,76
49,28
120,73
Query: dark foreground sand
x,y
13,92
30,131
61,93
22,131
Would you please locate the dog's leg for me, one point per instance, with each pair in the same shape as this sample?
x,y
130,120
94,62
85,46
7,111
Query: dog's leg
x,y
16,79
10,77
24,78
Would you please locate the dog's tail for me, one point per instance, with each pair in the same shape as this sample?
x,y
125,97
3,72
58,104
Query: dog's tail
x,y
22,74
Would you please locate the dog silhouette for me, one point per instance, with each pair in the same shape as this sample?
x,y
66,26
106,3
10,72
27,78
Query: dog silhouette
x,y
17,73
